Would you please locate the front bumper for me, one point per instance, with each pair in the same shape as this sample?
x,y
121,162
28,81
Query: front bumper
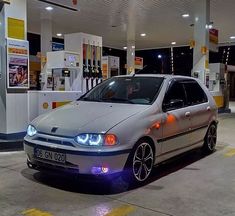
x,y
80,162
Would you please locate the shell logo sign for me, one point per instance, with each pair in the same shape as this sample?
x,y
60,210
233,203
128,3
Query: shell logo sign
x,y
45,105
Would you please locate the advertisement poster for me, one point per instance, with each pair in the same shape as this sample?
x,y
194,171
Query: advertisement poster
x,y
105,61
114,66
18,64
57,46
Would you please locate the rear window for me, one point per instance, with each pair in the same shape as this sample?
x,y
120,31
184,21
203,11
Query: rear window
x,y
195,94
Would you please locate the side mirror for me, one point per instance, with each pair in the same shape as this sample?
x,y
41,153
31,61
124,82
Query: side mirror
x,y
173,104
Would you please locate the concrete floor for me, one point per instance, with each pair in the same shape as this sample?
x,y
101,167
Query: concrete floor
x,y
191,185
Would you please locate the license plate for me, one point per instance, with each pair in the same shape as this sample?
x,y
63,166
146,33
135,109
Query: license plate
x,y
50,155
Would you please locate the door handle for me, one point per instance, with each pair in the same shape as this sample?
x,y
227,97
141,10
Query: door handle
x,y
187,114
208,108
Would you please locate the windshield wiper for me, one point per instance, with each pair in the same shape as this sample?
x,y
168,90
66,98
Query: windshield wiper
x,y
115,99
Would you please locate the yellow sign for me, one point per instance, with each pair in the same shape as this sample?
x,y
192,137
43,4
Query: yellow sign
x,y
219,100
204,50
192,44
105,71
130,70
16,28
207,64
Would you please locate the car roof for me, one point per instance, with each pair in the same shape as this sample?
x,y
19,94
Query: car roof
x,y
166,76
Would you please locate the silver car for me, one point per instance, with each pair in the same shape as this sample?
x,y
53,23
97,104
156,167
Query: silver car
x,y
126,124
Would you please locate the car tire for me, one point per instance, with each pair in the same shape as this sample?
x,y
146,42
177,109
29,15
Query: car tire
x,y
210,139
139,163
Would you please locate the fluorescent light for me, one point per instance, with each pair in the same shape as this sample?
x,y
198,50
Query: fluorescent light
x,y
142,34
210,26
159,56
49,8
173,43
232,37
185,15
133,47
59,34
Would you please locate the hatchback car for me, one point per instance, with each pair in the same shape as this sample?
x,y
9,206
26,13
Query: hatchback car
x,y
126,124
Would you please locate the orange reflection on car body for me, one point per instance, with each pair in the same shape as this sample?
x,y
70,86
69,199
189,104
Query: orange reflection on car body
x,y
156,125
170,119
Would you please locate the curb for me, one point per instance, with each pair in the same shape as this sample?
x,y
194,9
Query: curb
x,y
11,145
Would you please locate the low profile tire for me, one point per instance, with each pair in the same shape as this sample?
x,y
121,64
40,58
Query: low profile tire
x,y
210,139
140,163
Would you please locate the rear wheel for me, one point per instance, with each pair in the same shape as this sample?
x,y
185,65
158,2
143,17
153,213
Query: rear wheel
x,y
140,162
210,139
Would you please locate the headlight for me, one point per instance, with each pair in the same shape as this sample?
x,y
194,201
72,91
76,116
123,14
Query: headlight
x,y
97,139
31,131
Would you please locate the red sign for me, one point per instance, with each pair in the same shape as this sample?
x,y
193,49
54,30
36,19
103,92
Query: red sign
x,y
75,2
214,36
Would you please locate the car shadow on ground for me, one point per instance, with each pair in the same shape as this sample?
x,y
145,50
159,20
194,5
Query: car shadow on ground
x,y
97,186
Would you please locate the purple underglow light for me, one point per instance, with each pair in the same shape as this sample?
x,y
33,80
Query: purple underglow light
x,y
99,170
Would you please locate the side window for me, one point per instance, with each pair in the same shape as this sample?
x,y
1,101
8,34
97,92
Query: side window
x,y
175,97
195,94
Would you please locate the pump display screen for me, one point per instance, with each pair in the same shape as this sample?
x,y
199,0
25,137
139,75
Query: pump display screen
x,y
71,60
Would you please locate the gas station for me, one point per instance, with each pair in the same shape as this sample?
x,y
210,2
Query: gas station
x,y
54,52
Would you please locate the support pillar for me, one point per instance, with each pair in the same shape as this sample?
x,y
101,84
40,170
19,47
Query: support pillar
x,y
130,57
46,46
13,102
201,38
131,25
46,32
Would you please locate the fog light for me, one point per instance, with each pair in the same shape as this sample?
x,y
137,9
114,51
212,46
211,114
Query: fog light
x,y
99,170
105,169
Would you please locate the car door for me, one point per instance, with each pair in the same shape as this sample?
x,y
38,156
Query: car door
x,y
200,111
176,119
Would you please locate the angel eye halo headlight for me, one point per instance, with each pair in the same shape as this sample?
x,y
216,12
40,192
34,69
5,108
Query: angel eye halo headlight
x,y
96,139
31,130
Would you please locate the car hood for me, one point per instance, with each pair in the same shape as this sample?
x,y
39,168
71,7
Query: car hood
x,y
85,117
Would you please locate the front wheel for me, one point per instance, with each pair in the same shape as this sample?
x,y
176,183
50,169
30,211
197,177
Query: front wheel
x,y
140,162
210,139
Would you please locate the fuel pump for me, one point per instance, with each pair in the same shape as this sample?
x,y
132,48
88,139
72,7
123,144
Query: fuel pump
x,y
65,70
92,66
89,65
99,63
85,66
91,59
96,66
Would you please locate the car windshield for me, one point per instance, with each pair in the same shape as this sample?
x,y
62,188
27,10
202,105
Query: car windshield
x,y
133,90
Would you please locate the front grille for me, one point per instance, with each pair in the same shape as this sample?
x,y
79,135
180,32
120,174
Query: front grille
x,y
59,142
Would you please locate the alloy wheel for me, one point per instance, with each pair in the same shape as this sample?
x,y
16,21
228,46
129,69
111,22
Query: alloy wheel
x,y
212,137
143,162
